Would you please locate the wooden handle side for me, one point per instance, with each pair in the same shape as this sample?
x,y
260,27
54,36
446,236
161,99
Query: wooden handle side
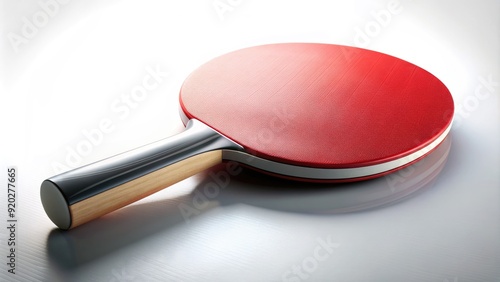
x,y
127,193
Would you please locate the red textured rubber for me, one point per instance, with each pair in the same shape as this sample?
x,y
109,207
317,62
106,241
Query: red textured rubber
x,y
319,105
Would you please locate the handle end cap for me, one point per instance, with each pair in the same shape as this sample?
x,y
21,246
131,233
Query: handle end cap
x,y
55,205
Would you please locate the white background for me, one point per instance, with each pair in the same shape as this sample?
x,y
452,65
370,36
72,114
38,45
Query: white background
x,y
65,67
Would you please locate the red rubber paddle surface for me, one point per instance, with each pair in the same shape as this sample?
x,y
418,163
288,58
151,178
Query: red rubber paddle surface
x,y
319,105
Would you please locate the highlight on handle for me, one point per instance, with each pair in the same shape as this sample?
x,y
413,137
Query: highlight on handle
x,y
83,194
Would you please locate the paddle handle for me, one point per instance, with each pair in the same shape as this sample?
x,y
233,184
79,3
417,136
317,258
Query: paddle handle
x,y
83,194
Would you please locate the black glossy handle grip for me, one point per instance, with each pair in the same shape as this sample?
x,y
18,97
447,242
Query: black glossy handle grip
x,y
59,193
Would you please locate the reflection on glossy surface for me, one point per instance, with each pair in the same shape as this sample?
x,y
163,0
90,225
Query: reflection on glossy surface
x,y
72,249
254,189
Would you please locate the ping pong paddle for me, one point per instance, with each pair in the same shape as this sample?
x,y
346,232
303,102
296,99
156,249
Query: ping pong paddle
x,y
305,111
